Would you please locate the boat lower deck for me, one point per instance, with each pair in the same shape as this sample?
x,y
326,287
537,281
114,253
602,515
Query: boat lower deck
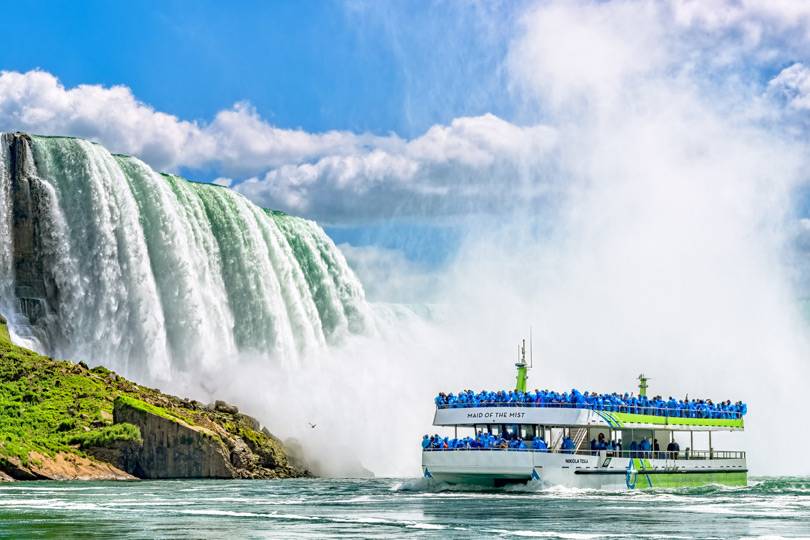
x,y
596,470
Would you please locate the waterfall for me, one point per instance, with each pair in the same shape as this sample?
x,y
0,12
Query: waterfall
x,y
104,259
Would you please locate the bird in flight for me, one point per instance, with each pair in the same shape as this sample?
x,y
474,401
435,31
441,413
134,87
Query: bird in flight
x,y
313,426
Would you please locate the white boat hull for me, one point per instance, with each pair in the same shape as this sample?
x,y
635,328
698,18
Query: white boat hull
x,y
494,468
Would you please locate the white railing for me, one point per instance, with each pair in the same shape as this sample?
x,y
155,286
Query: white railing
x,y
661,454
649,410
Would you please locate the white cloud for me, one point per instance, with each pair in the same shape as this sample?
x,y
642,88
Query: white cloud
x,y
752,32
237,141
475,164
331,175
222,181
35,101
793,84
757,20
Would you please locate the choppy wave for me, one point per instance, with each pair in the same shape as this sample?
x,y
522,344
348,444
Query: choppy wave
x,y
768,508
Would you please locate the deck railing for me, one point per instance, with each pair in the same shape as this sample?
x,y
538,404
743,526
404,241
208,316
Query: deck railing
x,y
662,454
630,409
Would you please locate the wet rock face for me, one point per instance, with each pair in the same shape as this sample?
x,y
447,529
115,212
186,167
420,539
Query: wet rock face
x,y
30,286
172,449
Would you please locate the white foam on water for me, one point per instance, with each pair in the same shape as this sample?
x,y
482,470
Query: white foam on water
x,y
359,499
46,489
213,512
428,526
48,504
553,534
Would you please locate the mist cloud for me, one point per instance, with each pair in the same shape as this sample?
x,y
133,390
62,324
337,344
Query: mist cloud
x,y
664,246
668,248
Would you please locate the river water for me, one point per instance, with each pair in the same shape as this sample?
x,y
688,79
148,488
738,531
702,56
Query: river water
x,y
384,508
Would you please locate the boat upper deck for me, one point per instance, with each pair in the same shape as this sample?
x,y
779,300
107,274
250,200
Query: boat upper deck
x,y
571,415
588,409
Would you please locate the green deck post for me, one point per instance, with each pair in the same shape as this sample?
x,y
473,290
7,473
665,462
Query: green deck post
x,y
642,385
522,370
521,377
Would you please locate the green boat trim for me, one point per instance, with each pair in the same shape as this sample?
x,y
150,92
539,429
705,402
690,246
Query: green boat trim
x,y
661,471
619,419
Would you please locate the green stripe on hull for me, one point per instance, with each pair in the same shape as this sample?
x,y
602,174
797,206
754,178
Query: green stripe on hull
x,y
643,476
652,480
629,418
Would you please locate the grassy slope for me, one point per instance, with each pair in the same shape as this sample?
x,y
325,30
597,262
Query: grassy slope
x,y
45,404
49,406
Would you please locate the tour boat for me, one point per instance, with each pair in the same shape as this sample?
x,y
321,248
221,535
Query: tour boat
x,y
624,467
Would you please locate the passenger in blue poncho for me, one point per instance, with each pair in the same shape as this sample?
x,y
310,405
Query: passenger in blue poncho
x,y
568,446
657,406
645,447
539,444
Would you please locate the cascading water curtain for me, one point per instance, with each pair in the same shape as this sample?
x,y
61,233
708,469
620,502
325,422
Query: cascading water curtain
x,y
150,273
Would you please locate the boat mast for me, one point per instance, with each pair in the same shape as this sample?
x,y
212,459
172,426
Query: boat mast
x,y
642,385
522,369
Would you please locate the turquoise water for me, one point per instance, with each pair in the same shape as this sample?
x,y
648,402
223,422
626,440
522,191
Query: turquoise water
x,y
384,508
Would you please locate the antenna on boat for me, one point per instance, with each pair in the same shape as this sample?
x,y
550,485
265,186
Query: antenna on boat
x,y
642,385
531,349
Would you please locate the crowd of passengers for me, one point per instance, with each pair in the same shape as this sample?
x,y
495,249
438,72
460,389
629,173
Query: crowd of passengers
x,y
656,406
487,441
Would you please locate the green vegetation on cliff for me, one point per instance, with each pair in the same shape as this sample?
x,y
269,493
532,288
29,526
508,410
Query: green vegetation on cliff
x,y
50,407
107,435
146,407
45,403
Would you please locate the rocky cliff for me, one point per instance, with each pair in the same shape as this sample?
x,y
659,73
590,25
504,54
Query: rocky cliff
x,y
204,443
60,421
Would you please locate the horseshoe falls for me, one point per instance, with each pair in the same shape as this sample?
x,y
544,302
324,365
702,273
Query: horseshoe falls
x,y
106,260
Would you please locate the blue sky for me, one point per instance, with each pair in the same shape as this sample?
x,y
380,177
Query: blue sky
x,y
314,65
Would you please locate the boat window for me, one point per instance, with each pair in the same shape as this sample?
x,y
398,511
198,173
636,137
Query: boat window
x,y
527,432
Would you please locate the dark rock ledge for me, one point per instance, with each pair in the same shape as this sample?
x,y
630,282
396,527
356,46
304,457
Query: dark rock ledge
x,y
65,421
